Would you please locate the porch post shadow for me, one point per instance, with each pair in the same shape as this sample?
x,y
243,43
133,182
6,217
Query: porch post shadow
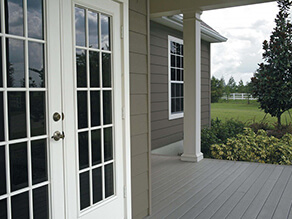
x,y
192,87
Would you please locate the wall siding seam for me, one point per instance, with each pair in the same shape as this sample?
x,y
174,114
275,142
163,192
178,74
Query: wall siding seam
x,y
167,136
153,130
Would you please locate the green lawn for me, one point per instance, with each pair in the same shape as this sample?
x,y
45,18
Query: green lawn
x,y
244,112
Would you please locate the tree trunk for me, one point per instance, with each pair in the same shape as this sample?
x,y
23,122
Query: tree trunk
x,y
279,120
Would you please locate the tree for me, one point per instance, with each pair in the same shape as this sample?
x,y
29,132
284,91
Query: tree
x,y
217,87
230,87
272,82
240,87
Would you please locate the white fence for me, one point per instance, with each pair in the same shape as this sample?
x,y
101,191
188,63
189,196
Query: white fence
x,y
238,96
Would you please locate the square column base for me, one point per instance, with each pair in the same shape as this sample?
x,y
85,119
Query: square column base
x,y
192,158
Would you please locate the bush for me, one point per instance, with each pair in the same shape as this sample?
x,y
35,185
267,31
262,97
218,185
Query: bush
x,y
219,133
255,147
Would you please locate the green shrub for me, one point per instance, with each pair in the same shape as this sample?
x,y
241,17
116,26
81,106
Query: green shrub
x,y
255,147
219,133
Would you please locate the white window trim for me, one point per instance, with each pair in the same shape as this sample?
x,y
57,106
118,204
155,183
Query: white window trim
x,y
171,115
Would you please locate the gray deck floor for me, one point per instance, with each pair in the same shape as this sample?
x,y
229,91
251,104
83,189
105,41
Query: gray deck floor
x,y
220,189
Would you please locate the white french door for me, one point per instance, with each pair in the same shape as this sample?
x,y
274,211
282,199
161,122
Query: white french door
x,y
61,126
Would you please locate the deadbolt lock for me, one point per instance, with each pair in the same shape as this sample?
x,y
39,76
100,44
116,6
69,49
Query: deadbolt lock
x,y
56,117
58,135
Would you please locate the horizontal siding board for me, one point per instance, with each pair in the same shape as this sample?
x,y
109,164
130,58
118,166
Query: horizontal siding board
x,y
163,31
157,134
139,124
158,60
165,123
157,41
159,115
167,140
140,183
139,144
155,50
158,97
159,78
140,164
159,88
139,204
158,69
138,63
138,43
159,106
139,104
138,22
138,84
138,6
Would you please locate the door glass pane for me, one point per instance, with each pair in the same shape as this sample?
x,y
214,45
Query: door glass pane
x,y
84,190
82,110
80,26
36,64
94,68
37,113
1,118
97,185
106,70
95,108
105,32
41,203
35,19
18,166
20,206
93,29
81,68
1,66
14,17
2,171
15,63
39,161
3,209
107,107
108,144
16,115
83,150
96,146
109,180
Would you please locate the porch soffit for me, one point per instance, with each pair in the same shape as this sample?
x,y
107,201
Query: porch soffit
x,y
160,8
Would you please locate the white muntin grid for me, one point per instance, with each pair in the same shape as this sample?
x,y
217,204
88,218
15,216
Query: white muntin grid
x,y
101,127
171,39
27,90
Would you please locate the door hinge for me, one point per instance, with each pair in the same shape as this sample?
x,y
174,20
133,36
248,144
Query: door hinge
x,y
123,113
125,192
122,32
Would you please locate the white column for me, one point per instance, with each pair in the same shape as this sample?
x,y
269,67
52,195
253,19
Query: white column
x,y
192,87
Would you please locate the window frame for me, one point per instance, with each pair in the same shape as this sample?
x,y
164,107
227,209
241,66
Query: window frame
x,y
171,115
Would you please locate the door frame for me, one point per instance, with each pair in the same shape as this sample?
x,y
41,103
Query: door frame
x,y
68,91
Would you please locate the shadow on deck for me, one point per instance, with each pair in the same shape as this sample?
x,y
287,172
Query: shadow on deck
x,y
220,189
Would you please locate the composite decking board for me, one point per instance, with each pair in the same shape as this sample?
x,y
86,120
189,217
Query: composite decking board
x,y
173,170
244,203
162,202
178,198
285,203
160,164
272,202
175,175
232,201
213,190
225,178
173,184
177,190
212,205
256,205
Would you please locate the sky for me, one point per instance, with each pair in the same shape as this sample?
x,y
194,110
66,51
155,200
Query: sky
x,y
246,28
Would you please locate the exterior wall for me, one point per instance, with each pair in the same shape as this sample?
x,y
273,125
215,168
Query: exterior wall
x,y
163,130
139,107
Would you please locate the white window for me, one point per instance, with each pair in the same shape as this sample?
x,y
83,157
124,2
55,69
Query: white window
x,y
175,78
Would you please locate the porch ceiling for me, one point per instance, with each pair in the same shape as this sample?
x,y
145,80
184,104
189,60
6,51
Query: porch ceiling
x,y
160,8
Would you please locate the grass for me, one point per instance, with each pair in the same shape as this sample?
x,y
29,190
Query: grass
x,y
242,111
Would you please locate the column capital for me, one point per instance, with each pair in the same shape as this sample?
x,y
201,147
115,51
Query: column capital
x,y
192,15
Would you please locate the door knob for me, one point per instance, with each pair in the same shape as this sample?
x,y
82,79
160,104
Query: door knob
x,y
58,135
